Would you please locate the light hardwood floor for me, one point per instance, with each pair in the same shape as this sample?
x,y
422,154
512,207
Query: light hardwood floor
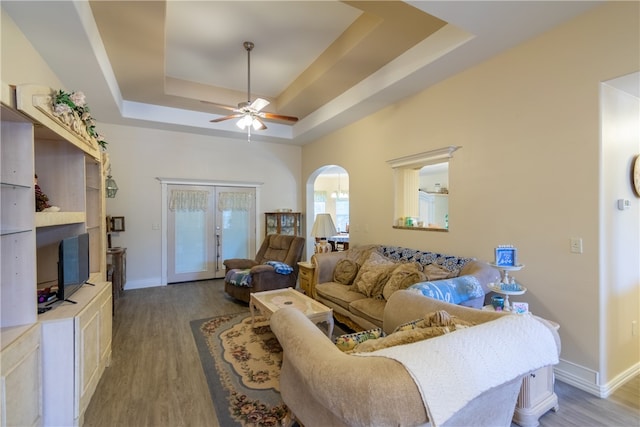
x,y
156,379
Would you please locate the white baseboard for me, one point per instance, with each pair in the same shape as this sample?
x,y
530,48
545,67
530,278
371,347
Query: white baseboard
x,y
141,284
589,380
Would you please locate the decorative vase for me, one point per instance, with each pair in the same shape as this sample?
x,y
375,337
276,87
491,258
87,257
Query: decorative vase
x,y
323,247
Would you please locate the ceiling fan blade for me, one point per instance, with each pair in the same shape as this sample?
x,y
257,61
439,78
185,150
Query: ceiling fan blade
x,y
231,116
224,107
262,125
271,116
259,104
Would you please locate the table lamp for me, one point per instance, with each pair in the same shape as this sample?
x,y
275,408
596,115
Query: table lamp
x,y
323,227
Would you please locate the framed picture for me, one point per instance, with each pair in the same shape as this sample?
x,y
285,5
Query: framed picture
x,y
506,257
117,223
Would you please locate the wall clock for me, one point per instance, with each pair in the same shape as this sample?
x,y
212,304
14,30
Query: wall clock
x,y
636,175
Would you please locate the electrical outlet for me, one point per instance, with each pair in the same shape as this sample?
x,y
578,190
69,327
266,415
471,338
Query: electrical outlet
x,y
576,245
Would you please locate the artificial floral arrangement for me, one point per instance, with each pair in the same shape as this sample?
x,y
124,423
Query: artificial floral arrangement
x,y
68,103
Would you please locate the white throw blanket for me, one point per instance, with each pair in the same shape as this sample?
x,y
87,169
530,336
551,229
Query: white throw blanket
x,y
453,369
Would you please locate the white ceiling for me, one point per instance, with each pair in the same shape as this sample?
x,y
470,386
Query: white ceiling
x,y
330,63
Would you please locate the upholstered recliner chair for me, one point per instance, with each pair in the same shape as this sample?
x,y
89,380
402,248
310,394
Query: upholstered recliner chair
x,y
244,276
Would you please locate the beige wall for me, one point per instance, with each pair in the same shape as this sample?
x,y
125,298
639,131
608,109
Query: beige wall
x,y
20,62
528,173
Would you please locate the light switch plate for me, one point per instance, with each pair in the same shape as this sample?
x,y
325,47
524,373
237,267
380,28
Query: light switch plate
x,y
576,245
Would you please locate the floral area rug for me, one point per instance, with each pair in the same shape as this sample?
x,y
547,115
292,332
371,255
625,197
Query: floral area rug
x,y
242,366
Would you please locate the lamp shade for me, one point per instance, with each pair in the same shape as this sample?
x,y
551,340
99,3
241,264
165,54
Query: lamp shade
x,y
323,227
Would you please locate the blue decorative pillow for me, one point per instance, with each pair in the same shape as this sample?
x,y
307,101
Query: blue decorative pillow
x,y
455,291
280,267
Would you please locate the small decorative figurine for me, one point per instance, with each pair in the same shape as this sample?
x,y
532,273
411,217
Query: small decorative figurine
x,y
42,201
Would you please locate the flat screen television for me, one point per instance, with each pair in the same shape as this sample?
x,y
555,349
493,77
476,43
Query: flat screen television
x,y
73,265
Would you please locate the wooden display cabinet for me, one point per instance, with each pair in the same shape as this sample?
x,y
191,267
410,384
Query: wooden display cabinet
x,y
282,223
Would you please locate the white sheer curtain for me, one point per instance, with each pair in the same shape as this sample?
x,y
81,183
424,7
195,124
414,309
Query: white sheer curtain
x,y
240,201
188,200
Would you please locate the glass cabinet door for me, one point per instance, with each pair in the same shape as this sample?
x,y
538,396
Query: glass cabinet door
x,y
287,223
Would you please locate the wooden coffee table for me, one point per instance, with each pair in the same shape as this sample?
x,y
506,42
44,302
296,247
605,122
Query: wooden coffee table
x,y
268,302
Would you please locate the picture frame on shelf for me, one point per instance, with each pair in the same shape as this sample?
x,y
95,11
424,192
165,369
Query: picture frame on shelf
x,y
506,257
117,223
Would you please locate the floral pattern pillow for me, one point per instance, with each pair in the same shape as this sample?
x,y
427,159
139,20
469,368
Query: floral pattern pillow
x,y
348,342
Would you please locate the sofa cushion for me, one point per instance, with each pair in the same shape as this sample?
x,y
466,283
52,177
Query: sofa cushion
x,y
345,271
437,272
338,293
455,291
370,309
348,342
373,274
432,325
403,276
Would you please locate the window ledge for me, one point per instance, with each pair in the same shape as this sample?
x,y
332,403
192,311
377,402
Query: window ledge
x,y
422,228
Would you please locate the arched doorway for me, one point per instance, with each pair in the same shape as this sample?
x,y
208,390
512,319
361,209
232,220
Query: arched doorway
x,y
328,192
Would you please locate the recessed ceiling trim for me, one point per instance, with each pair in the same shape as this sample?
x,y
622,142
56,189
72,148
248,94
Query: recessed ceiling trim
x,y
418,57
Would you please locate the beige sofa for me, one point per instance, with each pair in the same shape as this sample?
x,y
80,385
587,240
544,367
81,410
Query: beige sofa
x,y
326,387
359,311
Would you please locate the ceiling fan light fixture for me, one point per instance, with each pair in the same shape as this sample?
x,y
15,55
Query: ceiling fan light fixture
x,y
244,122
257,124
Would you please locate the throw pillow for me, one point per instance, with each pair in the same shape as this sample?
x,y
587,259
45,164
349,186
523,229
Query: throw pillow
x,y
402,337
280,267
373,281
432,325
345,271
407,326
404,275
373,274
456,290
348,342
436,318
437,272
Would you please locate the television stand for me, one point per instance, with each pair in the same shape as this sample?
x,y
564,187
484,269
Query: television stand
x,y
77,339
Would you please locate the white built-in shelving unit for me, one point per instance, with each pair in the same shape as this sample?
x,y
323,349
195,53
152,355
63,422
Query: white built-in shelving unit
x,y
67,348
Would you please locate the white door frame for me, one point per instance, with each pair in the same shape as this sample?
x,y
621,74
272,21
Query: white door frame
x,y
164,182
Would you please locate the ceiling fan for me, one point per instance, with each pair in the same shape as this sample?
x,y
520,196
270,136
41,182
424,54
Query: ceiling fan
x,y
250,113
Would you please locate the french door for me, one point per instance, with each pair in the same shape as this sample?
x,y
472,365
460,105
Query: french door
x,y
207,224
